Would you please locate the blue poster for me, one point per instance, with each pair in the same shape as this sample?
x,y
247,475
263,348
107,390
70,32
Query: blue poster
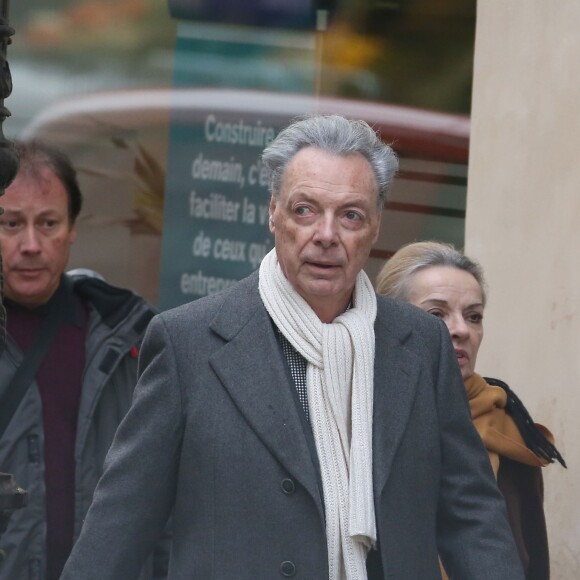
x,y
216,204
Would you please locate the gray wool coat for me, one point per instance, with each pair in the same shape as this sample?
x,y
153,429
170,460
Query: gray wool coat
x,y
214,437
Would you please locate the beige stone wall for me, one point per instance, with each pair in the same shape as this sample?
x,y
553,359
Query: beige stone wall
x,y
523,224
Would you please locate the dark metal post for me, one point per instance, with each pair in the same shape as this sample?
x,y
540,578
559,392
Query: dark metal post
x,y
11,496
8,160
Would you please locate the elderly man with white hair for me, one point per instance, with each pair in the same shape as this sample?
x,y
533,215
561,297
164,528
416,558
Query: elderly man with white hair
x,y
297,425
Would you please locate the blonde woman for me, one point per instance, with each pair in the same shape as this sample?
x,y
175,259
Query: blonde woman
x,y
444,282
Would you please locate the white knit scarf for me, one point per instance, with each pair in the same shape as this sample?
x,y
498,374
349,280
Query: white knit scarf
x,y
339,379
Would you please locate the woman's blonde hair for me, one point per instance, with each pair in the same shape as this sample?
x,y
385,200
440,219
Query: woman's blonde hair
x,y
395,276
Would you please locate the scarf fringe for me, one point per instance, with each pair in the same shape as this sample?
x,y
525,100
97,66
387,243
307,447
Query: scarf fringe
x,y
534,439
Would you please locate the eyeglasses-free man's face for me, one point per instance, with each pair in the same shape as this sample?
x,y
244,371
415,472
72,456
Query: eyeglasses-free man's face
x,y
35,237
325,221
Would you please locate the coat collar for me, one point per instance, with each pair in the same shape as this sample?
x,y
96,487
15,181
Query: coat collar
x,y
252,370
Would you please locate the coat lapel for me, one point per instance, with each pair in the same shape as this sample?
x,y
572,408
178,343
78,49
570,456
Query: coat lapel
x,y
251,368
396,375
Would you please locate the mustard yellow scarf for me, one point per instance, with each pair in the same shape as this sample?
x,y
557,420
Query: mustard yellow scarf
x,y
497,429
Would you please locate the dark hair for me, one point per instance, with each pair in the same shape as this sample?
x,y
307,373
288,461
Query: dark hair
x,y
35,155
395,277
332,134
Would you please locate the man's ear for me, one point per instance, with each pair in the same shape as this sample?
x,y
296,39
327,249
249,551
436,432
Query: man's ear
x,y
378,230
271,211
72,234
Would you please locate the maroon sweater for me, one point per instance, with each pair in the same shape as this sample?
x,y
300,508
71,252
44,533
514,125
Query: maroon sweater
x,y
59,379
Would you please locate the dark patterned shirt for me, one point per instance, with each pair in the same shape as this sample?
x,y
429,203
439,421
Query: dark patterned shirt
x,y
297,364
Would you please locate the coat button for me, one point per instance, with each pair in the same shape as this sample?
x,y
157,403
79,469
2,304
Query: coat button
x,y
287,568
288,486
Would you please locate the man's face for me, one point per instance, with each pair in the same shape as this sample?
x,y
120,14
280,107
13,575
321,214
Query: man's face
x,y
35,237
325,221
